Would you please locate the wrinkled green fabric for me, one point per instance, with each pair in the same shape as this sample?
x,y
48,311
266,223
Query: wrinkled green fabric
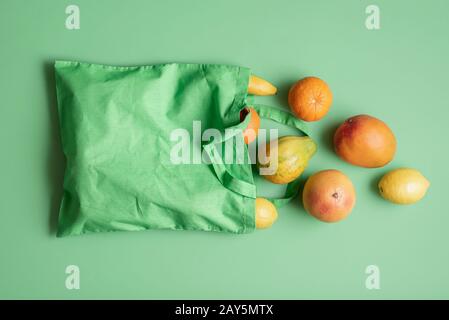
x,y
115,127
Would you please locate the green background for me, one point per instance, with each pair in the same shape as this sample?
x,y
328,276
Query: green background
x,y
398,73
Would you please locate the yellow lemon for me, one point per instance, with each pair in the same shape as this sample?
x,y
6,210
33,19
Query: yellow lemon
x,y
266,213
403,186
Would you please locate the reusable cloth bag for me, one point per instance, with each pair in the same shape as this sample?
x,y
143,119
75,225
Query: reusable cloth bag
x,y
116,125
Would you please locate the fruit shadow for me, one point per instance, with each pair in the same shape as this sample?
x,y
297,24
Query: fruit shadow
x,y
296,202
55,157
326,137
374,183
282,93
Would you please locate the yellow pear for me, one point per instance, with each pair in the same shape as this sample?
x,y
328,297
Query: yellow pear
x,y
293,155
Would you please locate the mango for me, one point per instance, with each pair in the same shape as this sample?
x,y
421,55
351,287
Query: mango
x,y
365,141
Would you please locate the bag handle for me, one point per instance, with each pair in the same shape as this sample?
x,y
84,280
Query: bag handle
x,y
226,178
242,187
286,118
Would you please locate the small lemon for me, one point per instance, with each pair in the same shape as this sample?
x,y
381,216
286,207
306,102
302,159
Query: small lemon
x,y
266,213
403,186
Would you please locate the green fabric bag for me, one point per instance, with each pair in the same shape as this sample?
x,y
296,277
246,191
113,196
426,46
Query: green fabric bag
x,y
116,125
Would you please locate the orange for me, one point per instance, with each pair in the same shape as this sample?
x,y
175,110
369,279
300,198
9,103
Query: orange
x,y
251,131
310,99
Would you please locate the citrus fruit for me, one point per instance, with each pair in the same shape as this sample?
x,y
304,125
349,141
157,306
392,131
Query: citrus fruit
x,y
251,131
403,186
329,195
266,213
310,99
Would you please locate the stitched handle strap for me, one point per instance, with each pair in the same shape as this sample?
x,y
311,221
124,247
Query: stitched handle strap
x,y
226,178
288,119
240,186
